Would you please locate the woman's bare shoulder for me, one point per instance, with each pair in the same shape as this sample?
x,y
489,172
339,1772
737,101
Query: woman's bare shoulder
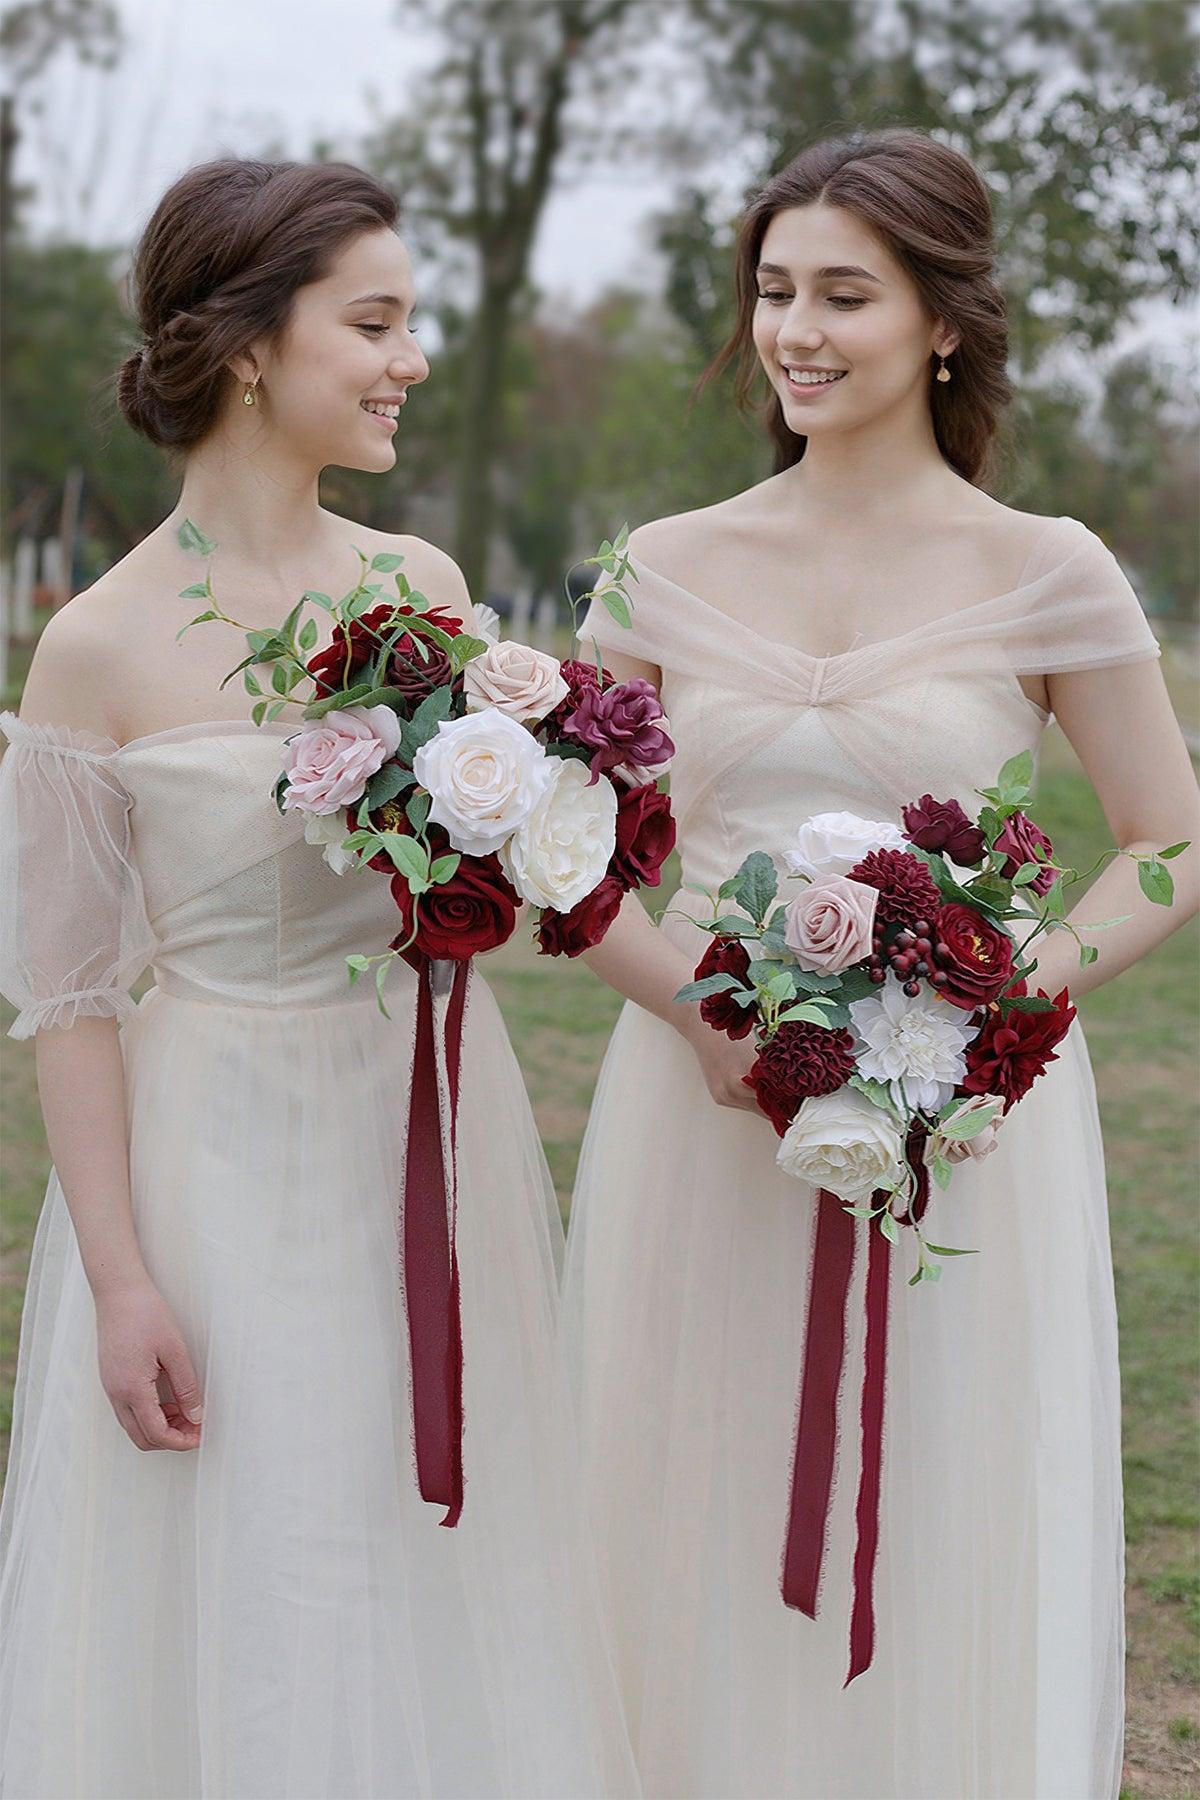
x,y
681,543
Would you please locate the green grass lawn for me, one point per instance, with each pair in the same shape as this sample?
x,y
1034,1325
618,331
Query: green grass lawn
x,y
1144,1032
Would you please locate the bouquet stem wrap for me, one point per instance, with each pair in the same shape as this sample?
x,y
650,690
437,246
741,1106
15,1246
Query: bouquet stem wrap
x,y
430,1258
837,1234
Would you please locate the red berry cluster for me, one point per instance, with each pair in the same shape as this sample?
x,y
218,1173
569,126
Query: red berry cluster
x,y
910,953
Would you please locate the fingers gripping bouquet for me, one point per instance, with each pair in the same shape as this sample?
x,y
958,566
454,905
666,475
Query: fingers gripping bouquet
x,y
897,1025
473,775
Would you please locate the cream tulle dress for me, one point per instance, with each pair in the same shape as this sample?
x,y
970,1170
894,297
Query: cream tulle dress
x,y
277,1613
998,1596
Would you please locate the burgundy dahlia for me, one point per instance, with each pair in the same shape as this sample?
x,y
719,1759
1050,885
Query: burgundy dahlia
x,y
579,677
1011,1052
799,1061
943,825
907,891
726,956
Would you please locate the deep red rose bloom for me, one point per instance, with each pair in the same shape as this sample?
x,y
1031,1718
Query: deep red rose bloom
x,y
975,955
907,891
799,1061
645,836
475,910
620,724
943,825
726,956
336,666
571,933
578,676
1010,1053
1016,844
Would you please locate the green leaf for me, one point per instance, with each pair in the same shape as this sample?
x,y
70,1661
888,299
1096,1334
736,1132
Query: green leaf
x,y
1173,850
1155,882
199,590
250,681
417,810
409,856
257,711
308,634
274,711
875,1091
358,965
1026,1003
386,783
200,619
757,884
813,983
384,696
941,1171
444,869
1026,873
464,649
1088,953
321,600
386,562
808,1011
948,1250
616,604
729,925
191,538
279,678
961,1130
316,709
708,984
1018,771
381,975
433,709
889,1228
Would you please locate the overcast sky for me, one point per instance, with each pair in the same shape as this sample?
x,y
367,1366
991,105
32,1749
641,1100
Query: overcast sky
x,y
199,77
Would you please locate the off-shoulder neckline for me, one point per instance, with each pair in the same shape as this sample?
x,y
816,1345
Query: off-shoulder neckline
x,y
809,658
109,748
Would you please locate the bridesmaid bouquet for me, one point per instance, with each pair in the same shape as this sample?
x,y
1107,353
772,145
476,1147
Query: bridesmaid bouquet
x,y
896,1028
473,774
890,998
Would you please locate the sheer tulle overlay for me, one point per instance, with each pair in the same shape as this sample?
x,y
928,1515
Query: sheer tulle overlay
x,y
998,1661
278,1613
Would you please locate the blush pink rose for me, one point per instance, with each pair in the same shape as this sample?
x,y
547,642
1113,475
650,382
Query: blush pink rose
x,y
828,927
329,763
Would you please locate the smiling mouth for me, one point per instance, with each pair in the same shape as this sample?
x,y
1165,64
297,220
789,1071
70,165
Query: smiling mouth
x,y
382,409
811,378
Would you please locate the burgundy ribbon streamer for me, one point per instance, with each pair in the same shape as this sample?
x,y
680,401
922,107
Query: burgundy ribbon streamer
x,y
816,1427
430,1253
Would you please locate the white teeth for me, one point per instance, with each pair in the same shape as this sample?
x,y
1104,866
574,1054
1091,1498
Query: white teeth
x,y
385,411
809,378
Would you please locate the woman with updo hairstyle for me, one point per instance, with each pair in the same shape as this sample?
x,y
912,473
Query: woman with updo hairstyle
x,y
867,627
219,1578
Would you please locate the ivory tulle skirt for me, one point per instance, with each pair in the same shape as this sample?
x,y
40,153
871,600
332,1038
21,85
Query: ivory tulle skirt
x,y
998,1658
278,1613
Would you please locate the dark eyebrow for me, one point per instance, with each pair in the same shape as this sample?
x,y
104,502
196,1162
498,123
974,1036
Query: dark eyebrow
x,y
833,272
377,300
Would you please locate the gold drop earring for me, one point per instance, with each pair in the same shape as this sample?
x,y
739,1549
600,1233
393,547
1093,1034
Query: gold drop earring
x,y
943,373
248,392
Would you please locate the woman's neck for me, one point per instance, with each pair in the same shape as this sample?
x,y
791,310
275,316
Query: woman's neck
x,y
891,466
262,513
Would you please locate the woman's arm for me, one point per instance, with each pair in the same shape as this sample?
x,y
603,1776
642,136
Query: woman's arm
x,y
1122,727
144,1363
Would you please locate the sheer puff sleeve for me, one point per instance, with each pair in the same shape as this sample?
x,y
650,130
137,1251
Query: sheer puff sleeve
x,y
74,934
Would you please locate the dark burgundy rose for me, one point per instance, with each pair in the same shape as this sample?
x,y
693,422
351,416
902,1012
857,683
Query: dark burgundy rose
x,y
335,667
620,724
571,933
475,910
579,676
799,1061
975,956
943,825
645,836
1010,1053
726,956
1018,843
907,891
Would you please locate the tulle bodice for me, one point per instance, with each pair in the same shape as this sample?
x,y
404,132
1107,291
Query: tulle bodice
x,y
170,851
766,734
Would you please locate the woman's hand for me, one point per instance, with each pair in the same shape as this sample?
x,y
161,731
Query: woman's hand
x,y
146,1370
723,1062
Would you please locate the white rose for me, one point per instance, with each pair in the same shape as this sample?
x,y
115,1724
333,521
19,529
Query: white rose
x,y
487,623
524,683
842,1142
564,847
330,830
832,843
485,774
